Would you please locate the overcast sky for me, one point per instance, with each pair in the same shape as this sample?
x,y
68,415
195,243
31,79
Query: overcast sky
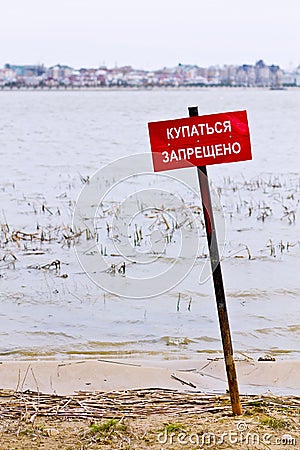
x,y
151,33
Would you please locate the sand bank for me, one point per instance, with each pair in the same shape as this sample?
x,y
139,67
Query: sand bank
x,y
69,377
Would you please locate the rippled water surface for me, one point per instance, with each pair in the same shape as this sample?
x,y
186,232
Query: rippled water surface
x,y
50,142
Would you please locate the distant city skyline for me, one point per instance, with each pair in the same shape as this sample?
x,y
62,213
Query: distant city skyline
x,y
91,33
164,66
216,64
64,76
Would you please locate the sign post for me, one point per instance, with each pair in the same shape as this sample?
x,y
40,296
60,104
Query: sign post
x,y
218,284
200,141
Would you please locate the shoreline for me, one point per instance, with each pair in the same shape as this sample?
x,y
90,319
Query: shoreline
x,y
67,377
187,405
140,88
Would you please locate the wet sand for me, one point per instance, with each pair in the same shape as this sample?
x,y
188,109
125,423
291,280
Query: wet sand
x,y
207,376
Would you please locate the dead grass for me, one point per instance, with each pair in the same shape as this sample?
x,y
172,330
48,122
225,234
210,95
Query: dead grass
x,y
146,419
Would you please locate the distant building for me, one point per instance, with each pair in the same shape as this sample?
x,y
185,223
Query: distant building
x,y
228,75
276,76
59,72
213,75
297,76
246,75
7,74
262,73
27,70
291,78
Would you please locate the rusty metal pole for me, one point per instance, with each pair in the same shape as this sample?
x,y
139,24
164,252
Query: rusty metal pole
x,y
218,283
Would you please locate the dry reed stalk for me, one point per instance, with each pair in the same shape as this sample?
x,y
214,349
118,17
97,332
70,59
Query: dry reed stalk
x,y
131,403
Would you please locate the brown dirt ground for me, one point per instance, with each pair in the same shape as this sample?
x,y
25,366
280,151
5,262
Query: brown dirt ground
x,y
266,423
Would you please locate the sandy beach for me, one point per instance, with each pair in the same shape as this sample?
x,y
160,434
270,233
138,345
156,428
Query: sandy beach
x,y
139,404
206,376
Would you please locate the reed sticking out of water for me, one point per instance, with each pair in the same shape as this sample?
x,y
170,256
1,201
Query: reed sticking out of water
x,y
178,302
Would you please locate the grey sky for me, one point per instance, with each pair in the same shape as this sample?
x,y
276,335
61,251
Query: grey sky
x,y
150,34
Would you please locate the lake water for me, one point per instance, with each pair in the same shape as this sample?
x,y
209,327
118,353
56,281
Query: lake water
x,y
50,142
